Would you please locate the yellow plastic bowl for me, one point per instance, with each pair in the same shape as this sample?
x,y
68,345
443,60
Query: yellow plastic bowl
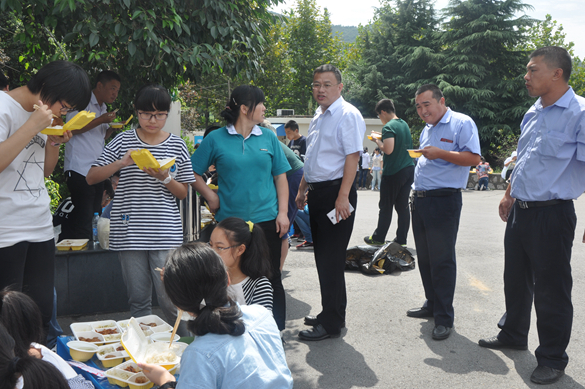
x,y
81,351
116,125
414,153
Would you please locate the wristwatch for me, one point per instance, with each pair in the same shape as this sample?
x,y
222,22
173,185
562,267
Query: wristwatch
x,y
166,180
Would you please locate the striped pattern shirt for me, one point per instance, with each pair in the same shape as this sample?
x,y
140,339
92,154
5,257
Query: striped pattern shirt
x,y
144,213
249,291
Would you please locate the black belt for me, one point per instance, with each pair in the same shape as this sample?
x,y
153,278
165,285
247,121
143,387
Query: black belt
x,y
435,192
323,184
534,204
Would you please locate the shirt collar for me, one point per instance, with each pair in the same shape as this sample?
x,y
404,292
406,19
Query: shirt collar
x,y
445,119
232,130
333,107
563,102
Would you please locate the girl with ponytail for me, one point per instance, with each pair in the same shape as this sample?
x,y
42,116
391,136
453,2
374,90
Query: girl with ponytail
x,y
232,341
26,372
244,251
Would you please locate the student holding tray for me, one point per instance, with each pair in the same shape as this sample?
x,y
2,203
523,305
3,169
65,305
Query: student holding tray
x,y
144,222
27,245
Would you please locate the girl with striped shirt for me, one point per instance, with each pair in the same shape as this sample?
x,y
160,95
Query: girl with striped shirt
x,y
242,247
145,223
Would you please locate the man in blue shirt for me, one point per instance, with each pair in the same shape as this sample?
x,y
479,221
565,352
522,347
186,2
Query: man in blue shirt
x,y
449,144
334,145
538,208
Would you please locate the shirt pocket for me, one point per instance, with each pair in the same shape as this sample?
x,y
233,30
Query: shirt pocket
x,y
556,144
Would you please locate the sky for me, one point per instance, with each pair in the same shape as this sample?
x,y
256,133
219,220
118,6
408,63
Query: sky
x,y
569,13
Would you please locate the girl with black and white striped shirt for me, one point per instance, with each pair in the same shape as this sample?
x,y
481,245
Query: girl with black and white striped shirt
x,y
242,247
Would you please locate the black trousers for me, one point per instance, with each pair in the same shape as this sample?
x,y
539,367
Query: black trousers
x,y
538,245
29,267
394,191
435,223
86,199
274,248
330,243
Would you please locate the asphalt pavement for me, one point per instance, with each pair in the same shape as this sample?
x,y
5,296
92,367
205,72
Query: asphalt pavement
x,y
382,348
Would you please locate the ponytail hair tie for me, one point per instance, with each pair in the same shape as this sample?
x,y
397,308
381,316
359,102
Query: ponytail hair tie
x,y
13,363
251,225
228,108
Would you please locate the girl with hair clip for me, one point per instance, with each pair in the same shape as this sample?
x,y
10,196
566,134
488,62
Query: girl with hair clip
x,y
252,182
27,244
25,372
21,317
243,249
145,223
236,346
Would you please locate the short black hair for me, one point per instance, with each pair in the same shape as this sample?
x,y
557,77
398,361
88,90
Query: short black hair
x,y
437,93
62,81
3,81
152,97
556,57
209,129
22,318
292,125
107,76
385,105
248,95
329,68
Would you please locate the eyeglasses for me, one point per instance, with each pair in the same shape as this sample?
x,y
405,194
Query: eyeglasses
x,y
317,85
147,116
64,109
221,248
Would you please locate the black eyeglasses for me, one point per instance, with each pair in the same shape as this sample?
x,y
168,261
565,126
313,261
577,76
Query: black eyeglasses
x,y
148,116
64,109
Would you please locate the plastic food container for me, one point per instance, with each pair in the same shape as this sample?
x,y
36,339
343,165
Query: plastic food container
x,y
107,331
81,351
75,123
72,244
112,355
414,153
144,159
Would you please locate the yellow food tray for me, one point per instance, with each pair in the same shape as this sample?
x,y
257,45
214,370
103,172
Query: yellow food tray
x,y
414,153
121,124
72,244
77,122
144,159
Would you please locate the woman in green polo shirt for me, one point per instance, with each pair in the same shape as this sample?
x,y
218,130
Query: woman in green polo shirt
x,y
252,184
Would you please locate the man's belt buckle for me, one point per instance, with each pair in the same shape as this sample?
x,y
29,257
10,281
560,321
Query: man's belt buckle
x,y
523,204
420,193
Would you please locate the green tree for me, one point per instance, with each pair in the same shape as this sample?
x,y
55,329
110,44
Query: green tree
x,y
396,50
483,68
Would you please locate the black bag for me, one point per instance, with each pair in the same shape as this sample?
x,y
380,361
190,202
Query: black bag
x,y
379,260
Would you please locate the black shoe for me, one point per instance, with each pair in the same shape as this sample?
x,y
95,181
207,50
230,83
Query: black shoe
x,y
316,333
495,344
441,332
419,312
313,321
546,375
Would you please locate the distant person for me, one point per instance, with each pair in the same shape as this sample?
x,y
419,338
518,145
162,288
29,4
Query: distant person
x,y
364,165
483,177
82,151
397,176
304,221
540,216
450,145
509,165
4,83
334,145
27,241
298,142
377,164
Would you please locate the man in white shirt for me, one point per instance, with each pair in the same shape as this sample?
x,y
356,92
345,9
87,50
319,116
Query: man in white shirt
x,y
334,144
82,150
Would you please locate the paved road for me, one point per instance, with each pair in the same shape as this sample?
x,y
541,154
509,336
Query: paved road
x,y
382,348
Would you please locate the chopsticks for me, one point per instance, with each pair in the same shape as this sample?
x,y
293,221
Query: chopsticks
x,y
177,322
35,107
